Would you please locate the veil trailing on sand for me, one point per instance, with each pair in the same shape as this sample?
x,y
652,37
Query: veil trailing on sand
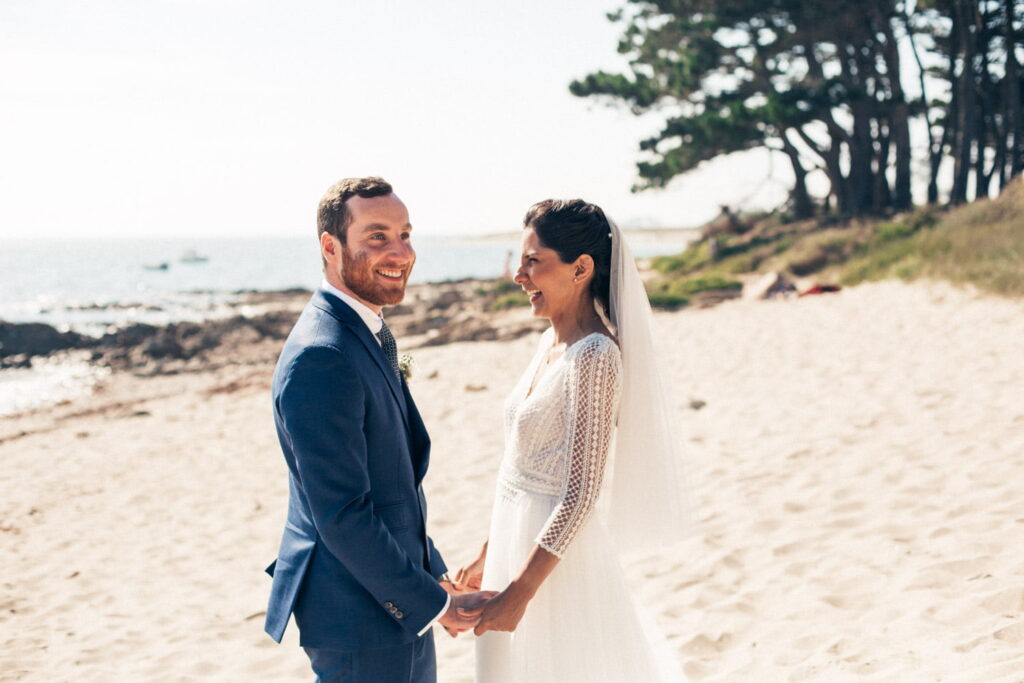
x,y
649,504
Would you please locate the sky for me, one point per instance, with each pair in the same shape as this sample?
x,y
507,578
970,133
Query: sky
x,y
229,118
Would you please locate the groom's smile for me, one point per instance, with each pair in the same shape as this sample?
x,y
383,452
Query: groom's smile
x,y
390,274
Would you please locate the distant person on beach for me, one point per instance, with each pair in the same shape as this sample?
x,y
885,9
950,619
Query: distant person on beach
x,y
506,272
355,564
564,613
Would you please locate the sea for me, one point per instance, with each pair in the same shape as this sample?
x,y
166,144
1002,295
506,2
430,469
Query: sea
x,y
93,286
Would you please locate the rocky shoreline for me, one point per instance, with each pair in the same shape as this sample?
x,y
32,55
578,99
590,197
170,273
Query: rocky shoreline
x,y
257,322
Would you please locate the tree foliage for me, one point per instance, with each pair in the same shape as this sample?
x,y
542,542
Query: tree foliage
x,y
822,83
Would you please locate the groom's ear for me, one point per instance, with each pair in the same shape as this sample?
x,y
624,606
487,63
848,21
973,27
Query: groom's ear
x,y
330,248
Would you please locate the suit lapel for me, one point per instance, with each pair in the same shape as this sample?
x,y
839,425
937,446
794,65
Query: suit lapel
x,y
346,315
420,439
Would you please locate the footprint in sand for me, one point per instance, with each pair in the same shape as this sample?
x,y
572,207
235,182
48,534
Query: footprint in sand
x,y
766,526
838,601
1011,634
974,567
733,560
798,569
844,523
1008,602
969,645
788,548
697,670
929,580
703,646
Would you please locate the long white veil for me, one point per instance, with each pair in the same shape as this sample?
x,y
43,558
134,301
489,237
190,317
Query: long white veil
x,y
648,503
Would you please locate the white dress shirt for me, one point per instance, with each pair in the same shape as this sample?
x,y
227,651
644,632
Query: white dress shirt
x,y
375,322
372,319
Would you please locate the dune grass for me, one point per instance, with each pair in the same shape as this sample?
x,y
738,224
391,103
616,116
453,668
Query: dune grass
x,y
981,244
510,300
665,301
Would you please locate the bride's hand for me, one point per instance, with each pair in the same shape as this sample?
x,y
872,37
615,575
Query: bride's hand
x,y
470,577
504,611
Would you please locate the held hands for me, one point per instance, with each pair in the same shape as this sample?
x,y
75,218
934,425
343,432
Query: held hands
x,y
464,611
504,611
488,610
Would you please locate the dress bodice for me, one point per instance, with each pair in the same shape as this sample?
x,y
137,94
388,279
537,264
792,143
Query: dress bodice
x,y
558,434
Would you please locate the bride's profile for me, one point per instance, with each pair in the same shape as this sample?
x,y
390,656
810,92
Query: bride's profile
x,y
589,470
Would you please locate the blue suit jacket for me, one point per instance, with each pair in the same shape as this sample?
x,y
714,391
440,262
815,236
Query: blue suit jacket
x,y
355,566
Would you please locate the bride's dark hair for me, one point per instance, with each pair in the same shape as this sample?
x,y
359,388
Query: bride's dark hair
x,y
572,227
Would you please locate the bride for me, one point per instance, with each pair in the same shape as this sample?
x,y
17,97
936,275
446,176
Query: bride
x,y
588,470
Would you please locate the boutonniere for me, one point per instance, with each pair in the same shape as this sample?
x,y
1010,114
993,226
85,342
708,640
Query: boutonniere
x,y
406,365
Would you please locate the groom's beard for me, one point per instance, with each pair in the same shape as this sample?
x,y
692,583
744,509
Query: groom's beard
x,y
358,276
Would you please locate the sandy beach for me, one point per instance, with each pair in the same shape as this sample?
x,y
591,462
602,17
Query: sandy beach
x,y
857,459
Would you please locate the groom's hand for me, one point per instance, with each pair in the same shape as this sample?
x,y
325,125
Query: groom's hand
x,y
470,577
464,611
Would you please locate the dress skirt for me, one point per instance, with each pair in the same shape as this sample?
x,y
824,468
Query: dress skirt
x,y
582,626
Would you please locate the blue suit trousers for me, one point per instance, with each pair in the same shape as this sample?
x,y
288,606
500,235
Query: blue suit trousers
x,y
411,663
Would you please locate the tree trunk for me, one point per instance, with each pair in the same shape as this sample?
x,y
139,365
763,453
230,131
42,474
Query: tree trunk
x,y
981,177
802,205
882,194
833,169
1014,124
837,137
934,150
899,118
965,90
999,167
858,144
948,133
990,133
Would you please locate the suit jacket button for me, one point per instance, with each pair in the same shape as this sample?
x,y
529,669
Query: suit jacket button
x,y
398,615
388,605
392,609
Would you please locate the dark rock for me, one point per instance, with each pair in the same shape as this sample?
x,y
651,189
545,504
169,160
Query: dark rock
x,y
483,328
274,325
400,309
445,300
164,346
418,325
38,339
131,335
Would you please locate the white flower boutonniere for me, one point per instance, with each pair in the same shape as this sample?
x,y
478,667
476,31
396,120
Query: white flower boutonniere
x,y
406,365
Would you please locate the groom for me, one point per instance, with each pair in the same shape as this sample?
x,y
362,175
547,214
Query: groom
x,y
356,566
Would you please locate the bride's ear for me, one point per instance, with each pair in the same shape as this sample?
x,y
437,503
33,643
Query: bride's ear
x,y
584,268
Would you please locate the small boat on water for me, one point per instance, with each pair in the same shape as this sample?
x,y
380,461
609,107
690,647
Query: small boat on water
x,y
163,265
193,256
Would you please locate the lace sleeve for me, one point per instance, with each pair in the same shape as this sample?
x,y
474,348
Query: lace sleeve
x,y
593,384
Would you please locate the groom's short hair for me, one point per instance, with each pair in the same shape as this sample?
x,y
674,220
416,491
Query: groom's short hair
x,y
333,216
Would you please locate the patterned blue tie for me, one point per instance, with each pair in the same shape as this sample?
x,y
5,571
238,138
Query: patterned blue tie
x,y
387,342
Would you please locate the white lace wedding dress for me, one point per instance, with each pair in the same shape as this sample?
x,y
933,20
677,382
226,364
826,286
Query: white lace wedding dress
x,y
583,625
